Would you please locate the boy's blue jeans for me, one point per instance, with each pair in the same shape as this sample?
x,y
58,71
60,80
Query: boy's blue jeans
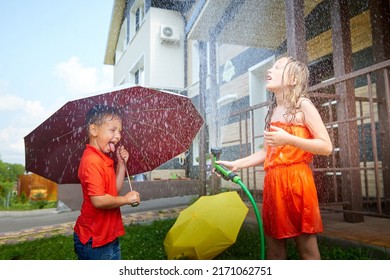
x,y
110,251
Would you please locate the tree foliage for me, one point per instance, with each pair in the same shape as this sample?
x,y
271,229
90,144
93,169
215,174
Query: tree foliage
x,y
9,172
9,175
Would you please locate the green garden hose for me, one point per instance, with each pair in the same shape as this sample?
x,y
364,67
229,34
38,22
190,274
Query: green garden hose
x,y
229,175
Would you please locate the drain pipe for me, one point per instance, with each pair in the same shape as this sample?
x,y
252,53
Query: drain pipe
x,y
229,175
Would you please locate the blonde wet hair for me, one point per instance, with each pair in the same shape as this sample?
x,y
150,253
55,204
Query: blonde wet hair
x,y
295,79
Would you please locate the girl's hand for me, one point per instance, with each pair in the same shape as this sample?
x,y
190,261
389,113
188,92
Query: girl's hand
x,y
122,154
276,136
228,164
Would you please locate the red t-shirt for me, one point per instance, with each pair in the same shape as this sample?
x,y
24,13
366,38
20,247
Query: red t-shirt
x,y
97,176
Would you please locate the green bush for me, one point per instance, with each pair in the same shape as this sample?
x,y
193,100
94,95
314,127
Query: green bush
x,y
23,198
39,204
18,205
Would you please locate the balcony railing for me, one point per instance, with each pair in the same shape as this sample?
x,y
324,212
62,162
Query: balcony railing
x,y
370,87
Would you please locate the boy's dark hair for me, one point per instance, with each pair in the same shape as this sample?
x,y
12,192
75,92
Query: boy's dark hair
x,y
98,112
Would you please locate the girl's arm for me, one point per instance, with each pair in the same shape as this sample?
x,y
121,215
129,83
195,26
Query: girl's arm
x,y
249,161
320,144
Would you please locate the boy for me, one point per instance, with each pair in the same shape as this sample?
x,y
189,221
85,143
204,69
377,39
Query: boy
x,y
100,223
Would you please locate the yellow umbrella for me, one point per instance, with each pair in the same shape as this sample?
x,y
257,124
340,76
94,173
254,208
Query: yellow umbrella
x,y
206,228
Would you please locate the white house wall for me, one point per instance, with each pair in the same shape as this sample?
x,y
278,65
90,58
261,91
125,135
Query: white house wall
x,y
138,46
167,59
163,62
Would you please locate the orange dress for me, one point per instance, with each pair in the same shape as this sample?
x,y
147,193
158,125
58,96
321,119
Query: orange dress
x,y
290,203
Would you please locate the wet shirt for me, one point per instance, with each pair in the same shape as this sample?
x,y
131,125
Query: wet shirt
x,y
287,154
97,176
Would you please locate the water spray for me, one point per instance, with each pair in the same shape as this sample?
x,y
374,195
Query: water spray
x,y
230,175
218,117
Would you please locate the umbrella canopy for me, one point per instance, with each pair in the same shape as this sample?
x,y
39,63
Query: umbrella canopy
x,y
206,228
157,126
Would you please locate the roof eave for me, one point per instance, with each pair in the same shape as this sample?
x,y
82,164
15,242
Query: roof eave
x,y
113,33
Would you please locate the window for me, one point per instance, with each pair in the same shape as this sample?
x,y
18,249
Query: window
x,y
139,77
137,16
136,77
137,73
122,42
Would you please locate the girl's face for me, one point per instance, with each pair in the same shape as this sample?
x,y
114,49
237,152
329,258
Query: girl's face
x,y
274,76
107,135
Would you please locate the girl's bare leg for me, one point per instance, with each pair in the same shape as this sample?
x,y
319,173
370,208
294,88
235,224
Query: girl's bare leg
x,y
276,248
308,247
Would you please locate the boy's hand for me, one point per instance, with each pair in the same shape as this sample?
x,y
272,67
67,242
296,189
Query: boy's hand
x,y
122,154
133,197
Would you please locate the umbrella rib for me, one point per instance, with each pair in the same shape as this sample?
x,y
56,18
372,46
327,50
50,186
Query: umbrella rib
x,y
69,116
132,140
72,153
149,109
156,127
63,135
147,160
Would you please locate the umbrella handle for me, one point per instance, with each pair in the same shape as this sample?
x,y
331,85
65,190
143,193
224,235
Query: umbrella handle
x,y
128,178
133,204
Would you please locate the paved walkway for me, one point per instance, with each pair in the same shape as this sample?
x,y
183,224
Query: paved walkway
x,y
67,228
374,232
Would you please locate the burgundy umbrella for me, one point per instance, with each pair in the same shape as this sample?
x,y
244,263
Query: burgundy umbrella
x,y
157,126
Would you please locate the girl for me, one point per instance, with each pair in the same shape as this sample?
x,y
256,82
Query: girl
x,y
294,132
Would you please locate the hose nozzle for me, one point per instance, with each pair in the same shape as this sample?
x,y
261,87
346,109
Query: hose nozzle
x,y
222,170
216,152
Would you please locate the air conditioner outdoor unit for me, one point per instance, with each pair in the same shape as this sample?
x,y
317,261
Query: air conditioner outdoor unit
x,y
169,34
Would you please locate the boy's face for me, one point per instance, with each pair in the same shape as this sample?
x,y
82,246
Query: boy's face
x,y
107,135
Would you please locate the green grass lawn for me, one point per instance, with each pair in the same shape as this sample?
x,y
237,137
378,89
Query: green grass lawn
x,y
145,242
